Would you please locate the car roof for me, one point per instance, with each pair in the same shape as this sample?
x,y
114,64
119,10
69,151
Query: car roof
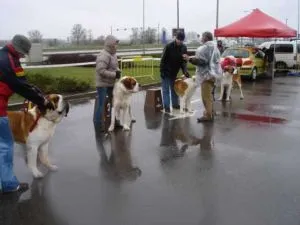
x,y
267,44
244,48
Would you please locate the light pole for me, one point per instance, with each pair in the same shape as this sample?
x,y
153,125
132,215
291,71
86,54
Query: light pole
x,y
177,14
143,36
298,20
217,16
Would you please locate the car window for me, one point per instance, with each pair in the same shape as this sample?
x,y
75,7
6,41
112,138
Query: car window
x,y
237,53
298,48
283,48
259,54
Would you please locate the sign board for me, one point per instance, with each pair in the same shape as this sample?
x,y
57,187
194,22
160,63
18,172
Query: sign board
x,y
175,30
36,53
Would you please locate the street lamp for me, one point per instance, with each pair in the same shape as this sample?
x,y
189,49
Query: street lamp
x,y
298,20
178,14
143,27
217,15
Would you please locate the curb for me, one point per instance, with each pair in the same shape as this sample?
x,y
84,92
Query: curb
x,y
91,94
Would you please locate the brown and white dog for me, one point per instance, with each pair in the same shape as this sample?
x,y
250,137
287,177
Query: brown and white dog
x,y
185,89
230,75
121,109
34,129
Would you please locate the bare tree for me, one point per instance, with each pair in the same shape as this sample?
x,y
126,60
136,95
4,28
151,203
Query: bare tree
x,y
35,36
78,33
149,35
134,37
90,36
100,40
191,36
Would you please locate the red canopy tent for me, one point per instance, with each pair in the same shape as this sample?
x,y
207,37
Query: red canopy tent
x,y
256,24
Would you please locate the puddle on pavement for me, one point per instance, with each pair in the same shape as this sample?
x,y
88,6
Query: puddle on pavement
x,y
256,118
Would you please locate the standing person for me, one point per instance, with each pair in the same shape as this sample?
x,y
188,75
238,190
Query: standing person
x,y
208,69
220,46
170,64
13,80
269,60
107,71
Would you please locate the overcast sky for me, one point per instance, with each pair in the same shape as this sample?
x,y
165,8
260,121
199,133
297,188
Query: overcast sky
x,y
55,18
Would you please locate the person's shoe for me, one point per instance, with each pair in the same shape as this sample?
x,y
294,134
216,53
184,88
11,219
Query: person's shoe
x,y
23,187
167,110
204,119
99,128
176,106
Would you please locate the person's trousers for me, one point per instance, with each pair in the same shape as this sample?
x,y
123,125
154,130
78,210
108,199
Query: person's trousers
x,y
270,69
102,92
207,97
8,180
167,87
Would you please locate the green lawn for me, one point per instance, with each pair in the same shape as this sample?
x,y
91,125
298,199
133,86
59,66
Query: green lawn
x,y
88,73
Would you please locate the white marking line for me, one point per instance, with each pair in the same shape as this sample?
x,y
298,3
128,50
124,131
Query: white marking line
x,y
177,115
196,100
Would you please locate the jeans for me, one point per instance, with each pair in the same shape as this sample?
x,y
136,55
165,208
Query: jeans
x,y
8,180
167,85
102,92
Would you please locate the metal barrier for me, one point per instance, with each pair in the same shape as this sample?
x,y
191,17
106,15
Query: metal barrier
x,y
138,66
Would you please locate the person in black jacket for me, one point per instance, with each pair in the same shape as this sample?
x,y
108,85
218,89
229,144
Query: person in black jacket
x,y
171,62
13,80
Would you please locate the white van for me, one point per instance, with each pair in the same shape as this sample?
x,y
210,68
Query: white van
x,y
285,53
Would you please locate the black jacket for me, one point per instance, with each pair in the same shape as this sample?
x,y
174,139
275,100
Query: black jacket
x,y
12,79
172,60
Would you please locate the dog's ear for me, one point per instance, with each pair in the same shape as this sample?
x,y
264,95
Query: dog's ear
x,y
132,82
54,99
129,83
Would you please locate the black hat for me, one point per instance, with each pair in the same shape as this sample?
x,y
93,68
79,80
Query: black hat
x,y
21,43
180,36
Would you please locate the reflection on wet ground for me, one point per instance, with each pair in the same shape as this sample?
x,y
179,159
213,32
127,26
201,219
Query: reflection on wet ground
x,y
241,169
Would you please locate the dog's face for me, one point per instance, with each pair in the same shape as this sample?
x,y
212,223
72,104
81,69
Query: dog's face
x,y
229,69
130,84
61,107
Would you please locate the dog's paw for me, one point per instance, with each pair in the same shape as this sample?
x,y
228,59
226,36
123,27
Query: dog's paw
x,y
126,128
241,98
53,168
227,99
111,128
219,99
37,174
133,120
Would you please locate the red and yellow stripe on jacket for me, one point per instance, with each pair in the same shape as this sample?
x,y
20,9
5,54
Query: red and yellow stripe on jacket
x,y
12,60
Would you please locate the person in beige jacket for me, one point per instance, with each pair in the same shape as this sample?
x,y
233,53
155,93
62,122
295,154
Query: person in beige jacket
x,y
107,71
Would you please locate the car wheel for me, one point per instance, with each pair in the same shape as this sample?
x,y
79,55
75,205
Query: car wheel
x,y
281,65
254,74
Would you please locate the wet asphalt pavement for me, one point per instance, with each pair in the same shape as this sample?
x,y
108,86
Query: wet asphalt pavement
x,y
243,169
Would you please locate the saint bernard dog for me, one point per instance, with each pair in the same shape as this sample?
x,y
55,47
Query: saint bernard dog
x,y
121,109
230,74
185,89
34,129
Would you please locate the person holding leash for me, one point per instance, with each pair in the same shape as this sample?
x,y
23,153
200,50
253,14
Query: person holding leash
x,y
13,80
171,62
